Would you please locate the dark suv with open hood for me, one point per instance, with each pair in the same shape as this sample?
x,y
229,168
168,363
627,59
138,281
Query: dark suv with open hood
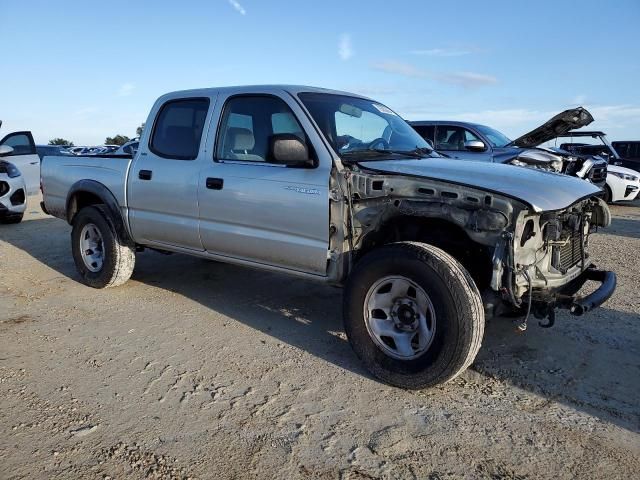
x,y
471,141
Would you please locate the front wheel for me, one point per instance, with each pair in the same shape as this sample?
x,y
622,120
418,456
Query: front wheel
x,y
413,315
101,259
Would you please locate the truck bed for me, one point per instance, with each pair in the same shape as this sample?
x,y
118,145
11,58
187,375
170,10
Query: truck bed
x,y
60,173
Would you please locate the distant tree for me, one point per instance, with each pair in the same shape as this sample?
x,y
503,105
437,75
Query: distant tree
x,y
140,129
117,140
61,141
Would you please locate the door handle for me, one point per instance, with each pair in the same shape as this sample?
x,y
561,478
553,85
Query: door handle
x,y
215,183
145,174
34,163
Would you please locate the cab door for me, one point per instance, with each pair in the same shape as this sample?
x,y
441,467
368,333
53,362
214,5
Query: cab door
x,y
254,210
452,140
163,179
25,157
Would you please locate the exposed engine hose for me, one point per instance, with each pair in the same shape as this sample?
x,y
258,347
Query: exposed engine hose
x,y
522,326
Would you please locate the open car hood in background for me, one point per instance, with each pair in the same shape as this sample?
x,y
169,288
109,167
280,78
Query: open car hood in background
x,y
558,125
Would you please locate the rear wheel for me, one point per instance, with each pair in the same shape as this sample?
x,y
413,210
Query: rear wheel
x,y
413,315
101,259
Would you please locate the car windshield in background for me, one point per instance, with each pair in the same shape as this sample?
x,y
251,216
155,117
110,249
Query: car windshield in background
x,y
360,128
496,139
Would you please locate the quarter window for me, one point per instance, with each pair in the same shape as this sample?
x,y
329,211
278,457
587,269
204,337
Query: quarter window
x,y
248,122
178,128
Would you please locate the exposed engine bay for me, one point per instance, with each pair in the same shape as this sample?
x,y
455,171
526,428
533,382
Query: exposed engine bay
x,y
555,160
519,258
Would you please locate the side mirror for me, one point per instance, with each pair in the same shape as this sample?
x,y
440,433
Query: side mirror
x,y
475,146
288,149
5,150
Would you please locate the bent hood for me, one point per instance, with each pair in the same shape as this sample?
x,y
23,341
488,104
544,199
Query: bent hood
x,y
558,125
540,190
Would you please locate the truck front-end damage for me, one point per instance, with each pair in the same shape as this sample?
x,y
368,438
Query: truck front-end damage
x,y
548,261
524,259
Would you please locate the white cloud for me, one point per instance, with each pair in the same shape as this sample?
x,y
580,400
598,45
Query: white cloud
x,y
579,99
399,68
237,7
345,48
461,79
442,52
466,79
126,89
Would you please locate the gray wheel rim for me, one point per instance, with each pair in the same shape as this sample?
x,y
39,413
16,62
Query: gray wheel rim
x,y
399,317
92,247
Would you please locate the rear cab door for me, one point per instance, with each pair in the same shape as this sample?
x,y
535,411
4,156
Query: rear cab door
x,y
162,194
25,157
252,209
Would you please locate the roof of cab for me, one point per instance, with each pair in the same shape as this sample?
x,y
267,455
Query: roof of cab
x,y
245,89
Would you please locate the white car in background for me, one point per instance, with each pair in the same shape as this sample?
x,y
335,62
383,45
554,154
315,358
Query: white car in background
x,y
623,184
13,197
129,148
24,156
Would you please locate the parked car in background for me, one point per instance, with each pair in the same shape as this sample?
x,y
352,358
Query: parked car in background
x,y
76,150
336,187
629,152
623,184
25,157
43,150
472,141
13,196
129,148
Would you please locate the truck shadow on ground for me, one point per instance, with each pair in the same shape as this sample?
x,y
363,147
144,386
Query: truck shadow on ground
x,y
624,227
591,363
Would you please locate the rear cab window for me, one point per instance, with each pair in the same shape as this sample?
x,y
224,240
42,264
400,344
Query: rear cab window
x,y
178,128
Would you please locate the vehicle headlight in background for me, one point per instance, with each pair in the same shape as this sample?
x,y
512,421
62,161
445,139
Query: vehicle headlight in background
x,y
624,176
10,169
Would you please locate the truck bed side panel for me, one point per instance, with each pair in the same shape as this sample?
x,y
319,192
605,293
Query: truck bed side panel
x,y
60,173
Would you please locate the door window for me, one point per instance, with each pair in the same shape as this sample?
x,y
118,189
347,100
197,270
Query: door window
x,y
453,138
178,128
21,143
425,131
247,125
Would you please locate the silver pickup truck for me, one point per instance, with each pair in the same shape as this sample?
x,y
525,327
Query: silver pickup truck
x,y
338,188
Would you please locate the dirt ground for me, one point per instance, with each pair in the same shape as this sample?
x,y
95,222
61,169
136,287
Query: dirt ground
x,y
196,369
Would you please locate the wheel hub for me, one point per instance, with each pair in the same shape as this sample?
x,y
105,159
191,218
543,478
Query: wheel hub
x,y
92,247
399,317
404,314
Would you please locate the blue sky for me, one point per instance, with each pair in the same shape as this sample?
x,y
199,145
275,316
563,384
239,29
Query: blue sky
x,y
86,70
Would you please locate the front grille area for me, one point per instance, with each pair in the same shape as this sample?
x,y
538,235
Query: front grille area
x,y
570,254
4,188
17,197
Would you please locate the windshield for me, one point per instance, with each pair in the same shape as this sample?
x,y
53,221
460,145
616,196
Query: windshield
x,y
358,127
496,138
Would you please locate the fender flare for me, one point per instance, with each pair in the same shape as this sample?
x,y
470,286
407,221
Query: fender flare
x,y
100,191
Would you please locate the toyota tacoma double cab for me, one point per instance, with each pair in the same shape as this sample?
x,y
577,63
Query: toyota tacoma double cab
x,y
338,188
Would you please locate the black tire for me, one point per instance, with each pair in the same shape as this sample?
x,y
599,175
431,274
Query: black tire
x,y
607,194
456,301
12,219
118,259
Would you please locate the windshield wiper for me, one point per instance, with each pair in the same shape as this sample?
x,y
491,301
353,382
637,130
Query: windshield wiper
x,y
416,153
